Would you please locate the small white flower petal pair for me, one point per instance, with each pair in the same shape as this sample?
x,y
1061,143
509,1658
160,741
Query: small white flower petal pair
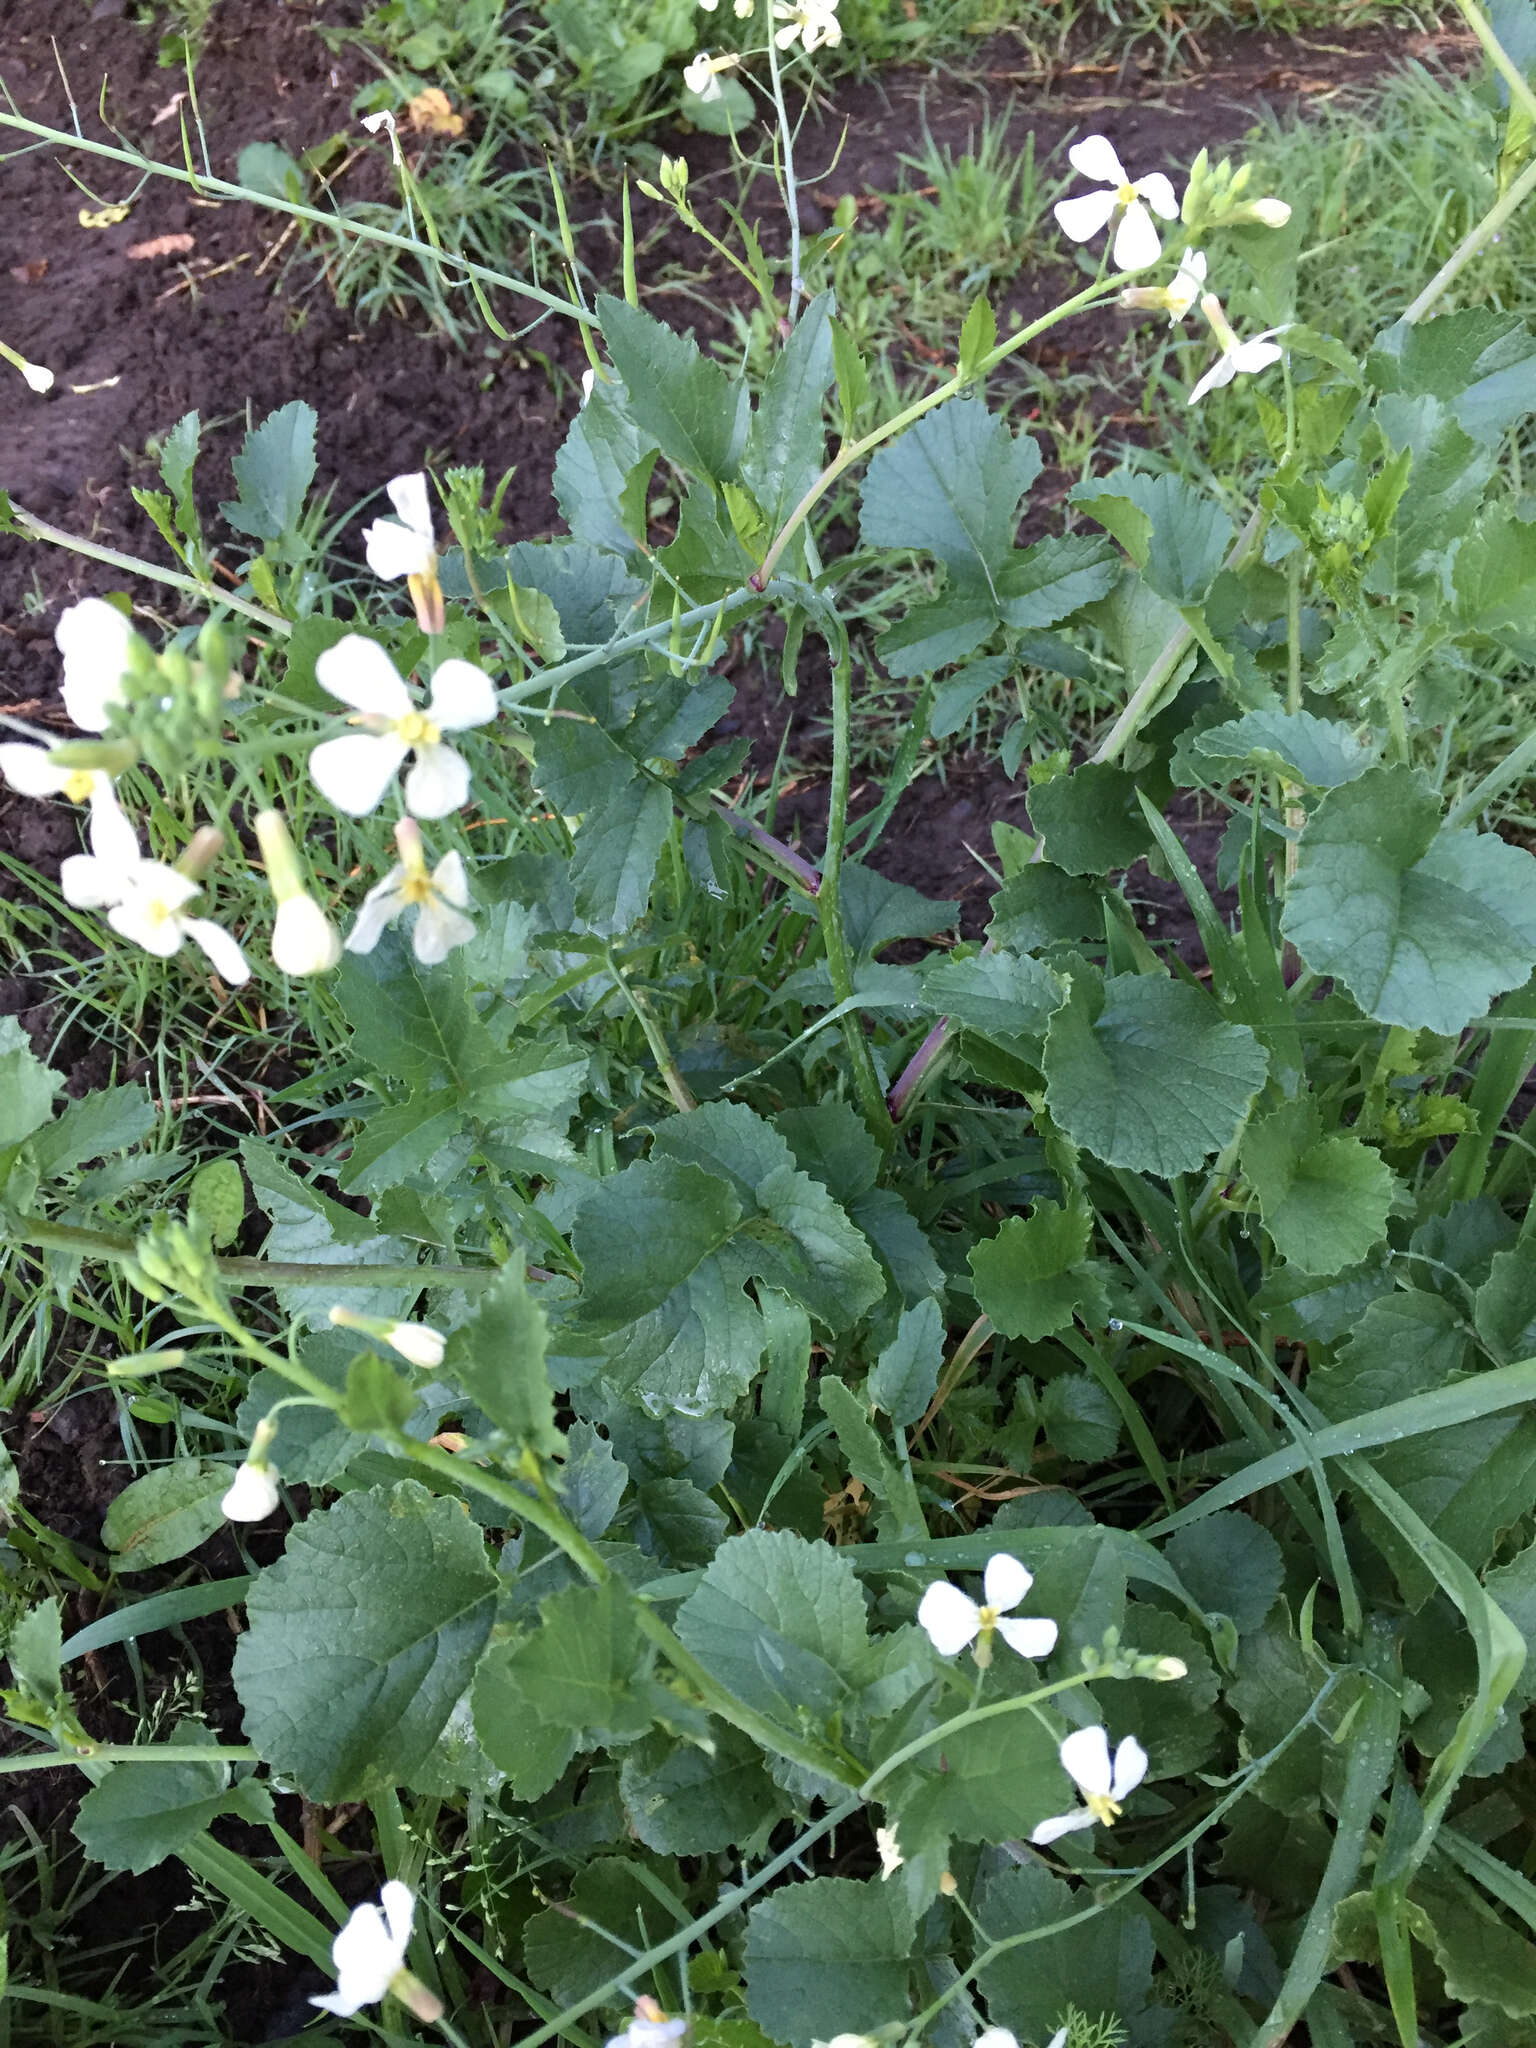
x,y
1104,1782
354,771
951,1620
650,2028
369,1952
1137,243
999,2037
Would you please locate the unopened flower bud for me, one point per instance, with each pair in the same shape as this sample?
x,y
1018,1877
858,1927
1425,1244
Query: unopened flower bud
x,y
949,1884
417,1343
38,378
253,1494
1268,213
1168,1668
203,850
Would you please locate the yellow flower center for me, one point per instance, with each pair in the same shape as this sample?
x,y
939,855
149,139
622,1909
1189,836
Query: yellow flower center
x,y
1102,1807
78,787
417,730
416,887
989,1617
157,912
1125,195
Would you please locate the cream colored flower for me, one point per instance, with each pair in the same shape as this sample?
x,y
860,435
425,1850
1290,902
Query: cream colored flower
x,y
353,772
1104,1784
404,545
702,74
891,1858
369,1952
812,22
1237,358
417,1343
440,900
1174,299
1137,242
951,1619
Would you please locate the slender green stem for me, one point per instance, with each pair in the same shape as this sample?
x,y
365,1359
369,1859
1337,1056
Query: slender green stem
x,y
790,186
1472,244
829,901
682,1096
39,529
333,223
127,1753
1502,62
1513,766
43,1235
855,451
1144,699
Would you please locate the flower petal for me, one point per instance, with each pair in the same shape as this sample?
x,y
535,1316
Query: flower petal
x,y
89,883
113,838
450,881
29,771
1222,371
224,952
1061,1824
392,550
995,2037
1130,1767
1137,243
438,782
354,771
304,941
1034,1639
440,928
131,919
1081,219
948,1617
94,639
1005,1581
361,674
462,695
1095,158
1158,194
380,907
1251,356
363,1956
408,495
1085,1759
396,1899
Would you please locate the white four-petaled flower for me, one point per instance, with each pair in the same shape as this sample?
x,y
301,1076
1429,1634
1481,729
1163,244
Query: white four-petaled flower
x,y
1137,242
369,1952
145,901
441,900
355,770
94,639
1104,1782
1237,358
951,1619
813,22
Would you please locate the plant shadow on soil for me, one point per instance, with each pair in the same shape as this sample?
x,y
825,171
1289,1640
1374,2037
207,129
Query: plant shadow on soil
x,y
137,341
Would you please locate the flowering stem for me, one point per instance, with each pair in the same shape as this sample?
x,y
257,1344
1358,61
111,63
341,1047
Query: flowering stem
x,y
790,188
44,1235
333,223
677,1087
125,1753
39,529
829,902
1147,695
1471,244
916,1069
854,451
